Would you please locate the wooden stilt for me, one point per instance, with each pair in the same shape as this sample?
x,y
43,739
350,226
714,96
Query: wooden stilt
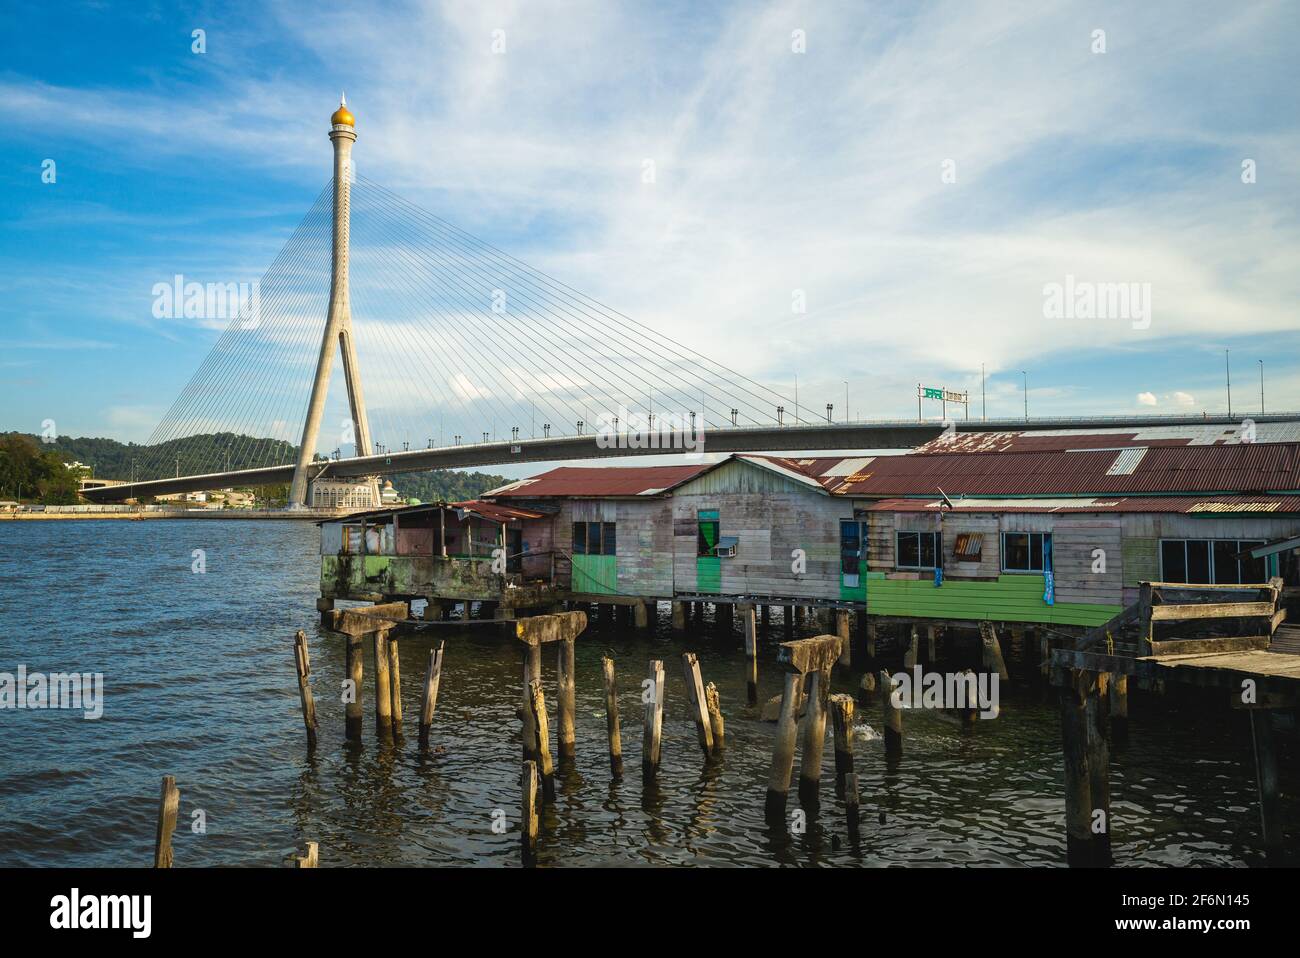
x,y
851,804
432,679
699,708
871,638
1266,781
992,648
1119,709
168,806
641,613
931,645
1078,794
778,781
814,739
654,721
714,703
788,622
611,717
353,714
842,630
383,688
542,739
842,722
766,617
395,683
302,660
567,700
751,654
532,673
1099,771
909,657
679,616
528,810
891,718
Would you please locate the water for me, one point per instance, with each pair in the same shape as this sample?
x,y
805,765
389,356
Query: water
x,y
200,685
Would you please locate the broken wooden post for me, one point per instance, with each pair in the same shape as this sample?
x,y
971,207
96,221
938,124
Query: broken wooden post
x,y
1119,708
1098,770
1074,750
814,738
651,739
383,687
375,621
302,660
432,679
842,722
1266,781
891,717
778,780
909,657
168,806
528,810
395,683
611,718
842,630
542,739
992,652
714,703
310,856
695,694
567,704
534,632
750,626
352,708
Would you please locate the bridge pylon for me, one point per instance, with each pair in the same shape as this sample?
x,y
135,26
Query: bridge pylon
x,y
338,325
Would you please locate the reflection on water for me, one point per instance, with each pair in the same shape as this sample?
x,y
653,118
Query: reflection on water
x,y
199,683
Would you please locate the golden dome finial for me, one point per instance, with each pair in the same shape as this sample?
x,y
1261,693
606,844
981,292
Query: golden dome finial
x,y
343,115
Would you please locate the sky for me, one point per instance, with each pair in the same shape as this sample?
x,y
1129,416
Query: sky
x,y
862,196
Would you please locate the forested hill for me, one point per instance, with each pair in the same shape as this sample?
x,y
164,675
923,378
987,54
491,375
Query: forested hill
x,y
111,459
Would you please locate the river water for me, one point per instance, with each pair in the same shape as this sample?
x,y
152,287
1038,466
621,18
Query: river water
x,y
199,683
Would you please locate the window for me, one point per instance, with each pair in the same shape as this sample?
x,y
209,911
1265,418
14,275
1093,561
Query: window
x,y
1210,561
594,539
851,538
968,547
918,550
1026,551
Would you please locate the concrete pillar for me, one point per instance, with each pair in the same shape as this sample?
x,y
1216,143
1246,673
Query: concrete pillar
x,y
338,323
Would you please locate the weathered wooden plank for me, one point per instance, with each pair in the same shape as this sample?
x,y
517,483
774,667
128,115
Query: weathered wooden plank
x,y
432,679
168,805
1213,610
302,660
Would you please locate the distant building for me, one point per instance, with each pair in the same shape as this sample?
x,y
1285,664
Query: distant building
x,y
389,496
343,494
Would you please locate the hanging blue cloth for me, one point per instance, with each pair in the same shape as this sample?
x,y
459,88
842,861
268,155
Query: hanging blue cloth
x,y
938,577
1049,579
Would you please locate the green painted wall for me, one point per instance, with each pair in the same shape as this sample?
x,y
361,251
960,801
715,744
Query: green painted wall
x,y
595,574
1011,598
708,574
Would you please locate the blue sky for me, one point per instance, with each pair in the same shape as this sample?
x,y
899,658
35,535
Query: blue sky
x,y
777,171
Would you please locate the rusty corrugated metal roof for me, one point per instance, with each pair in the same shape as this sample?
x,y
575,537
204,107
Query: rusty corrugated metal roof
x,y
1184,505
1240,468
495,511
1060,440
587,482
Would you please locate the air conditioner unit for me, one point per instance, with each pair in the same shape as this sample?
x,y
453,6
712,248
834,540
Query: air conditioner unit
x,y
726,547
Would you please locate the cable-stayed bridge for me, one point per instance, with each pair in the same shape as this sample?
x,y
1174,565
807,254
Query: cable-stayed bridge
x,y
455,354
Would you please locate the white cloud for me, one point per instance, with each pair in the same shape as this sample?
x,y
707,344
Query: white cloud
x,y
1147,399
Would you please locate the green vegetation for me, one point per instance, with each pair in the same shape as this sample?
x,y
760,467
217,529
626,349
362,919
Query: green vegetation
x,y
30,470
210,452
445,485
